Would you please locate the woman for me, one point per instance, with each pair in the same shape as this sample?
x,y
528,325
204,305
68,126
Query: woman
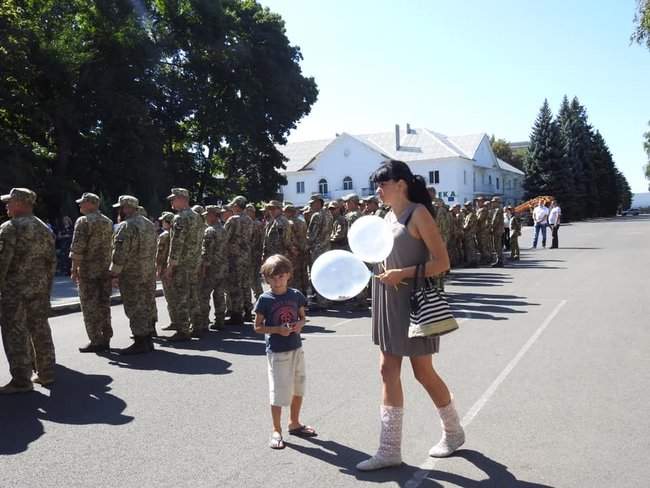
x,y
417,241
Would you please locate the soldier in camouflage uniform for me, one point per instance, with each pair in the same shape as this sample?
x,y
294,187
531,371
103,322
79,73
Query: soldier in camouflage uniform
x,y
515,233
452,241
162,252
298,249
483,234
277,235
469,236
239,230
459,216
352,210
134,245
90,253
27,265
214,270
257,244
339,234
496,227
150,268
183,264
372,206
318,234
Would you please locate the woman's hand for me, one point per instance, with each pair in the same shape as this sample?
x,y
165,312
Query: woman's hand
x,y
391,277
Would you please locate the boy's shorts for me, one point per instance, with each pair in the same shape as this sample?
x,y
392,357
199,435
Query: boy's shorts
x,y
286,376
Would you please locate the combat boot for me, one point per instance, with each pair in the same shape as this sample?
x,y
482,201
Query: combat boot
x,y
179,337
498,264
170,327
44,379
248,316
140,346
199,333
216,325
235,319
14,387
90,347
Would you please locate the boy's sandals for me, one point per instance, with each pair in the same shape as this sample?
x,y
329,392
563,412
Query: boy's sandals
x,y
303,431
276,441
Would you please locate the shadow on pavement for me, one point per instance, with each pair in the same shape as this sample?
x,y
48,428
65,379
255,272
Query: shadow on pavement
x,y
497,474
76,399
485,306
164,359
341,313
347,458
526,262
477,278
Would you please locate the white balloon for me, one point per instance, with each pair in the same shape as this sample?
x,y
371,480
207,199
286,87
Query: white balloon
x,y
339,275
371,238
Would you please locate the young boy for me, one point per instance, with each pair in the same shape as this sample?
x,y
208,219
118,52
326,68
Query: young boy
x,y
280,315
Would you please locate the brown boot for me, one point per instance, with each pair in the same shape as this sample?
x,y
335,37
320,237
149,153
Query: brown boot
x,y
13,387
140,346
179,337
90,347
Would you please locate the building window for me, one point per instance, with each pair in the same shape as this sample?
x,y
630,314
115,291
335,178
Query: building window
x,y
322,186
434,177
464,177
490,180
347,183
300,187
497,183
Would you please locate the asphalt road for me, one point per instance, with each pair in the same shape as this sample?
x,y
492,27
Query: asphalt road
x,y
550,370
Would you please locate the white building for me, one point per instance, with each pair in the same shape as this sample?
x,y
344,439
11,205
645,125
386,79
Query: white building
x,y
459,167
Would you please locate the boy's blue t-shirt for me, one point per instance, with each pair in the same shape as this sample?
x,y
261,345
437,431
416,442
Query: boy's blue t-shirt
x,y
278,310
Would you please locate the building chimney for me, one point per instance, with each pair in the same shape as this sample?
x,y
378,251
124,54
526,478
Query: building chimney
x,y
408,128
397,146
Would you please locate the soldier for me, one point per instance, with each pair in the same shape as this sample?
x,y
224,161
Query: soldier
x,y
372,206
195,312
134,245
150,269
515,233
496,226
298,249
339,234
469,236
214,269
162,252
277,235
27,265
353,211
90,253
257,244
460,238
483,234
454,234
318,234
239,230
183,264
442,219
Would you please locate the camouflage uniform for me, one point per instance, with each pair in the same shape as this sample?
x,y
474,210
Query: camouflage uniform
x,y
460,238
162,252
134,247
452,241
257,244
483,234
469,237
150,248
248,225
91,249
496,225
238,236
277,237
184,256
214,270
443,221
298,255
352,217
339,234
318,233
515,233
27,265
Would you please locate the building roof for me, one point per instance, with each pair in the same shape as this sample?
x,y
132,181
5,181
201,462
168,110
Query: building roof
x,y
509,167
415,145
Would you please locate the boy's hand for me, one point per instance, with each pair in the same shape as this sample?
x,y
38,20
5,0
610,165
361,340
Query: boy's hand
x,y
297,327
284,331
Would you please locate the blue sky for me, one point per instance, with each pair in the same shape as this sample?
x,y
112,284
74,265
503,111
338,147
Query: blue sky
x,y
467,66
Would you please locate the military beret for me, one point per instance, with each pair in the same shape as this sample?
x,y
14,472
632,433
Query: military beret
x,y
179,192
23,194
166,217
351,196
127,201
89,197
239,201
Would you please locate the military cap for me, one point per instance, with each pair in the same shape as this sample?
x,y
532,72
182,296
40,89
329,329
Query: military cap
x,y
456,205
306,208
480,198
179,192
273,203
166,217
24,194
199,209
315,197
334,204
127,201
288,206
250,206
351,196
213,209
467,204
496,199
89,197
239,201
371,199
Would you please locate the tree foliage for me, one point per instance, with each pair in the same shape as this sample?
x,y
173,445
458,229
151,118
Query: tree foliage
x,y
641,32
114,96
646,146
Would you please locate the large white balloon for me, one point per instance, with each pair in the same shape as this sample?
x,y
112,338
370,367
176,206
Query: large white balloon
x,y
371,238
339,275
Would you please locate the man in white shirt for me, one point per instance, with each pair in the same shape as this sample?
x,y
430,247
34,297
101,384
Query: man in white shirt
x,y
540,217
554,221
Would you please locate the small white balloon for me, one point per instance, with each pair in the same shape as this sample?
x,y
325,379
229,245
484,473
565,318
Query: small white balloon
x,y
339,275
371,238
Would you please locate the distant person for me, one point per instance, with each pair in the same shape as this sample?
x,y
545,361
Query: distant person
x,y
507,216
515,233
540,218
280,316
554,217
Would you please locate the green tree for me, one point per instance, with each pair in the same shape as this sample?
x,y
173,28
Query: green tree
x,y
641,32
624,191
605,176
546,172
646,146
